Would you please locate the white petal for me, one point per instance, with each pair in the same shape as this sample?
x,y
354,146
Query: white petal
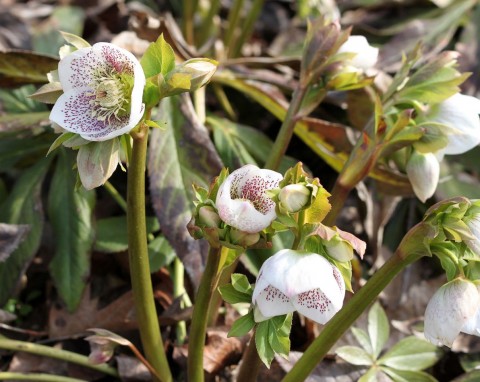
x,y
242,205
272,302
449,309
315,305
474,226
366,55
423,171
472,326
460,112
73,112
97,161
77,69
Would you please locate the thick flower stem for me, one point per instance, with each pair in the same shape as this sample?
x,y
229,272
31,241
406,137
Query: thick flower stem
x,y
343,320
138,258
198,326
286,130
251,363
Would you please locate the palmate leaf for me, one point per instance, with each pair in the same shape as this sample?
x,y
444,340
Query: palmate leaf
x,y
23,206
378,328
70,213
178,157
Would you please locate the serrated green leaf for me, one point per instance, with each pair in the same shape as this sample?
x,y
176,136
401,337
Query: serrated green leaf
x,y
264,349
407,375
240,282
111,235
411,353
354,355
23,206
362,337
280,344
378,328
159,58
233,296
242,326
70,214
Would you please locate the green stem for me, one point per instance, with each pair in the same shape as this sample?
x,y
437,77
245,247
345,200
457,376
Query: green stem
x,y
343,320
251,362
205,31
189,8
37,377
247,27
138,258
179,290
233,19
198,326
286,130
50,352
116,195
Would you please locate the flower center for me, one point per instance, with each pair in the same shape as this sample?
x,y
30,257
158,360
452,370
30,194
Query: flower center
x,y
110,92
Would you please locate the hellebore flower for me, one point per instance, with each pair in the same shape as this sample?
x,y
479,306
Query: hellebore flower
x,y
452,309
242,202
459,112
103,88
423,171
293,280
365,54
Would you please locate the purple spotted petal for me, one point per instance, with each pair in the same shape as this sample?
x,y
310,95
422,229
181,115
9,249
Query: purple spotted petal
x,y
272,302
73,112
315,305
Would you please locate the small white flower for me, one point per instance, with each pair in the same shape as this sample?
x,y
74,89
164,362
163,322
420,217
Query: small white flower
x,y
293,280
459,112
103,87
423,171
242,202
365,55
452,309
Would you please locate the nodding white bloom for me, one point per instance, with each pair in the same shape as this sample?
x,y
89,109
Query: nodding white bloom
x,y
423,171
454,308
103,88
294,280
459,112
242,201
365,55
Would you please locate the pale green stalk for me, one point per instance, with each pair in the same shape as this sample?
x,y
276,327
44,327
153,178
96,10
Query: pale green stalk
x,y
189,9
232,29
138,258
51,352
179,290
247,27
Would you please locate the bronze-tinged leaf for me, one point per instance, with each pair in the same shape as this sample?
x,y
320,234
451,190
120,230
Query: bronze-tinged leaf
x,y
18,67
178,157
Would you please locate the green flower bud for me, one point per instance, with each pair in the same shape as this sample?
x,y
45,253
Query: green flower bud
x,y
339,249
208,217
244,239
294,197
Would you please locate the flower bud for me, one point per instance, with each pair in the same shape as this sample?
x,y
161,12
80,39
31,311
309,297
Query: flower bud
x,y
423,171
208,217
339,249
245,239
294,197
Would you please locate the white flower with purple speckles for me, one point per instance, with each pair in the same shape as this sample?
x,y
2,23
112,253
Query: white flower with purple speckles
x,y
241,199
103,87
294,280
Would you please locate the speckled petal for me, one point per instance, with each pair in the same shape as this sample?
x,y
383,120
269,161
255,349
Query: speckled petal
x,y
77,69
315,305
272,302
73,112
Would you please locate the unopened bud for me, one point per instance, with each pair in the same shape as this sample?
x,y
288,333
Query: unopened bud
x,y
339,249
423,171
208,217
245,239
294,197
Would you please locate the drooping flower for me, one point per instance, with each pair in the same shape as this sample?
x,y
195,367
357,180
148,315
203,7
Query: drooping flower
x,y
242,201
454,308
423,171
103,87
294,280
365,55
459,112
